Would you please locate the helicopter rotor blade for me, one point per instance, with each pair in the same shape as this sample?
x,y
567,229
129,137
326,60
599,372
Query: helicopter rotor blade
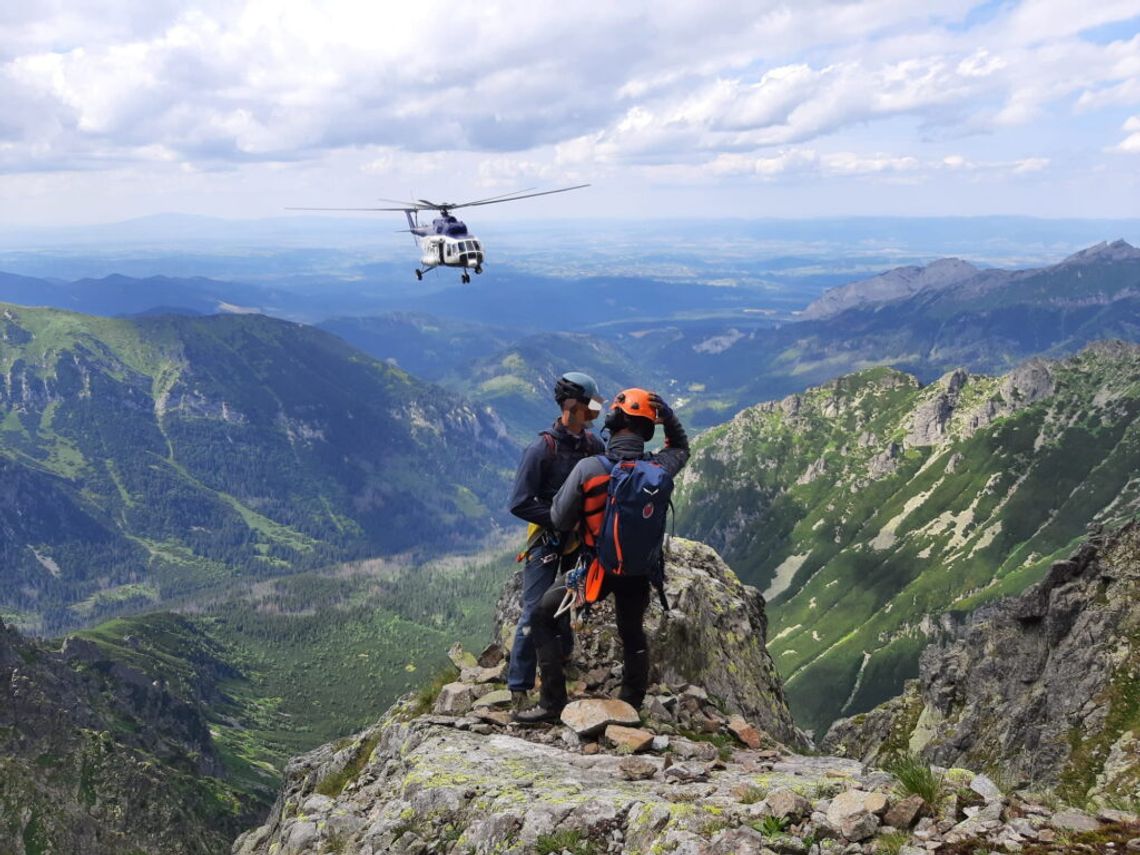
x,y
514,198
504,197
428,205
400,202
353,209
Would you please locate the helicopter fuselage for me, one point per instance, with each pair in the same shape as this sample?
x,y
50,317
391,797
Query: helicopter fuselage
x,y
447,243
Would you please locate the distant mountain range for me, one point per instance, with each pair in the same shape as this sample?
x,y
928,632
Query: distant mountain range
x,y
922,320
868,506
716,348
959,281
150,457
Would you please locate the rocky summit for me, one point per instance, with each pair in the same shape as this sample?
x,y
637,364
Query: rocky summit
x,y
1044,686
714,636
697,773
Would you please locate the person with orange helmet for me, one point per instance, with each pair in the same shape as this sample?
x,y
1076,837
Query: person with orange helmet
x,y
579,505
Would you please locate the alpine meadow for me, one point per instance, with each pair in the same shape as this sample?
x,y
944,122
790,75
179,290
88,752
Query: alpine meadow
x,y
365,490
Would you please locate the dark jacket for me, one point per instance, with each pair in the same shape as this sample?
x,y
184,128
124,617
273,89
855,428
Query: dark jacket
x,y
542,471
567,507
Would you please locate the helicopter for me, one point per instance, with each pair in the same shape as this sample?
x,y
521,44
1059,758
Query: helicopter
x,y
446,242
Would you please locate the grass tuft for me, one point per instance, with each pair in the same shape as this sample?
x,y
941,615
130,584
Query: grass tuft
x,y
890,844
427,693
332,785
568,840
916,778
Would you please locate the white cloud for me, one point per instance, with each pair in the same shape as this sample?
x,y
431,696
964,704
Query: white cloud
x,y
1034,21
1131,143
1031,164
542,92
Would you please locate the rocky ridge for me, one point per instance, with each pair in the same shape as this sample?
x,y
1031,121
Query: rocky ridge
x,y
897,284
1044,686
955,280
691,775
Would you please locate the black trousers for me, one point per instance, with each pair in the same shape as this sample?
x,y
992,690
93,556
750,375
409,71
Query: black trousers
x,y
631,600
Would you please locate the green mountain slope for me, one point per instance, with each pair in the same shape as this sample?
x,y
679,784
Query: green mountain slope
x,y
167,732
517,382
114,752
870,505
426,346
145,459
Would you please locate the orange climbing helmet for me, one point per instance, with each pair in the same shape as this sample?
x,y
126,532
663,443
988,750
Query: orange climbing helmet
x,y
635,402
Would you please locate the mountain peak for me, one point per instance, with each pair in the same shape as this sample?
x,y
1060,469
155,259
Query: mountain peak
x,y
1118,250
895,284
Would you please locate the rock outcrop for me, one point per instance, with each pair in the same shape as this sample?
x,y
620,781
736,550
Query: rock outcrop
x,y
714,636
1044,686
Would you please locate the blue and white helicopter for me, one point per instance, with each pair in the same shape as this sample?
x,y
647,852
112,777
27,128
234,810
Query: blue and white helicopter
x,y
446,242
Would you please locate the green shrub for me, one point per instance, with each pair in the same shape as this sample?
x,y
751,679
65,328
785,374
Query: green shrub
x,y
771,826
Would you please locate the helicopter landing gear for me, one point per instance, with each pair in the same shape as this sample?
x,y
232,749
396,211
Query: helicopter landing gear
x,y
466,278
419,275
479,269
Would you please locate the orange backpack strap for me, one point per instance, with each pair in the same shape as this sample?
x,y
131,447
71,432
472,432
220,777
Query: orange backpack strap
x,y
594,577
593,507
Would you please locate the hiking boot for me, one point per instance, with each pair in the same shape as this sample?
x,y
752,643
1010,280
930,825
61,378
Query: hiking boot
x,y
635,678
538,714
519,699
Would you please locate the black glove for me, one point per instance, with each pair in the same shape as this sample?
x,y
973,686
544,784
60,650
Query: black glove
x,y
664,411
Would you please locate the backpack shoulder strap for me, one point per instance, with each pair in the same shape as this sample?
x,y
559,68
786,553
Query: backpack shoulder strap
x,y
551,443
594,492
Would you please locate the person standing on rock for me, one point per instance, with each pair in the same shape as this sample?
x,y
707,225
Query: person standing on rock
x,y
580,505
545,465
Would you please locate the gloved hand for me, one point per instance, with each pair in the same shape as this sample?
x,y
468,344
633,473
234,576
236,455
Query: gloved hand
x,y
664,411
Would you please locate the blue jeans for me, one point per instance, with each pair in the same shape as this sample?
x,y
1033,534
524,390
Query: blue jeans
x,y
539,574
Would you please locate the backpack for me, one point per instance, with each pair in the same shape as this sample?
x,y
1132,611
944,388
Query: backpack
x,y
632,533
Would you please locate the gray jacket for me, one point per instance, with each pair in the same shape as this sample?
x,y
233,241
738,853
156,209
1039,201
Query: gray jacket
x,y
567,507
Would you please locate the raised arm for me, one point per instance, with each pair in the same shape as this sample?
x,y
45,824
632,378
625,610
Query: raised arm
x,y
675,454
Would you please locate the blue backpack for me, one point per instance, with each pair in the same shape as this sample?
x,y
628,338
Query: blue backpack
x,y
638,499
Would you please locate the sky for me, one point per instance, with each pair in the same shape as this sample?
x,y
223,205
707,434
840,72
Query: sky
x,y
113,109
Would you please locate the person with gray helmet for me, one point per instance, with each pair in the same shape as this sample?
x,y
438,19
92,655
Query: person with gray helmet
x,y
545,464
581,504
